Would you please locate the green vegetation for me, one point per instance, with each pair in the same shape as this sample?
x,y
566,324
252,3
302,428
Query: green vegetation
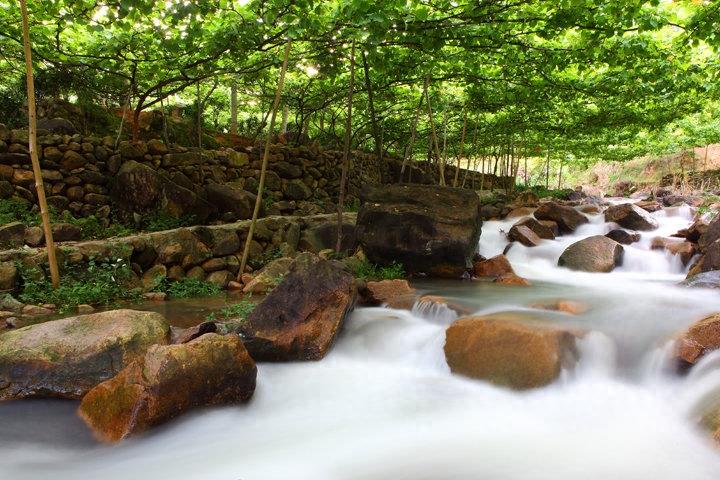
x,y
561,84
235,311
188,288
96,283
365,270
17,210
158,221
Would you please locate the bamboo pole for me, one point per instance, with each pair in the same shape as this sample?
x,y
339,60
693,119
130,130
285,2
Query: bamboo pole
x,y
233,109
346,150
32,134
266,155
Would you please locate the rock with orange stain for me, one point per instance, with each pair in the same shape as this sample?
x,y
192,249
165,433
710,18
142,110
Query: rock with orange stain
x,y
700,338
507,352
385,291
168,381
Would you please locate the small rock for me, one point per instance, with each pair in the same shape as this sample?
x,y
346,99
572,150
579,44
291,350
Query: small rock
x,y
384,291
567,218
493,267
155,296
84,309
623,236
699,339
511,279
565,306
36,311
593,254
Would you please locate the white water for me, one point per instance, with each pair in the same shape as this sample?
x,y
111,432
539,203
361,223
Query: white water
x,y
383,404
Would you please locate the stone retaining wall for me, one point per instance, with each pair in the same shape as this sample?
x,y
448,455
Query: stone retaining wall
x,y
210,253
88,175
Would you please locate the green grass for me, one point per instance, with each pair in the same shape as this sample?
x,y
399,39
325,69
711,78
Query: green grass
x,y
365,270
96,283
239,310
188,288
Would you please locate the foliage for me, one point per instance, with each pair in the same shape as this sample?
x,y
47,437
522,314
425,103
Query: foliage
x,y
17,210
188,288
93,228
95,283
238,310
159,220
365,270
267,256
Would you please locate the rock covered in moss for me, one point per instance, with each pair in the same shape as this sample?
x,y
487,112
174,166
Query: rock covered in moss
x,y
66,358
168,381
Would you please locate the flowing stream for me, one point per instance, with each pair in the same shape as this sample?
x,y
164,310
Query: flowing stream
x,y
384,406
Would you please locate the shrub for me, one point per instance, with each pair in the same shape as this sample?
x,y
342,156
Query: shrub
x,y
96,283
188,287
239,310
365,270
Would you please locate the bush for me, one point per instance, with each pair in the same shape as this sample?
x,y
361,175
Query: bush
x,y
96,283
239,310
365,270
17,210
188,287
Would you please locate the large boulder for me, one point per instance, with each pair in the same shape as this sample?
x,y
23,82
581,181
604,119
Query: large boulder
x,y
66,358
699,339
168,381
240,203
709,279
57,125
426,228
300,318
508,352
709,234
138,188
323,236
567,218
593,254
630,216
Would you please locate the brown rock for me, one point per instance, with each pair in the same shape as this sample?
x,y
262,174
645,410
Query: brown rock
x,y
520,212
567,218
167,381
221,278
630,216
493,267
429,301
684,249
269,276
593,254
511,279
189,334
649,205
700,338
623,236
538,228
23,177
300,318
524,235
509,353
72,160
384,291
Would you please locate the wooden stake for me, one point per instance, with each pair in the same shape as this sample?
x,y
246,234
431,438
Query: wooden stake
x,y
266,155
346,150
32,134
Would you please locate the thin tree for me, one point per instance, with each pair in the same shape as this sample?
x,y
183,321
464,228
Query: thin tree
x,y
373,116
433,133
233,109
462,147
32,134
266,155
346,149
413,133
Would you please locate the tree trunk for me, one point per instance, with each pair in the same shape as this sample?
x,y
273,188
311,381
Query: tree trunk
x,y
32,137
346,150
560,174
462,147
199,115
266,155
233,109
413,132
286,114
433,133
547,171
166,136
123,112
373,116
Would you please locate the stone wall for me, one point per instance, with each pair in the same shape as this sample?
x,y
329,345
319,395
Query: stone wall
x,y
88,176
210,253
